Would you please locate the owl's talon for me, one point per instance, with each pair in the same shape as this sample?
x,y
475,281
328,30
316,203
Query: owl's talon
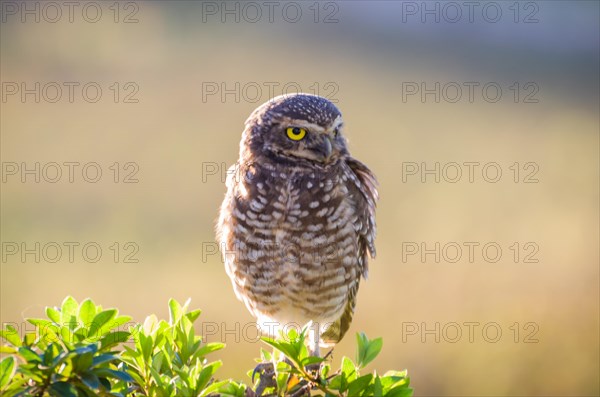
x,y
314,368
266,378
261,368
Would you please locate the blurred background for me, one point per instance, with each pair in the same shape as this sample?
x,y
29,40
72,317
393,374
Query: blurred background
x,y
154,96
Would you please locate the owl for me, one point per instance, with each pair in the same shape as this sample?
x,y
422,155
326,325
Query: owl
x,y
297,224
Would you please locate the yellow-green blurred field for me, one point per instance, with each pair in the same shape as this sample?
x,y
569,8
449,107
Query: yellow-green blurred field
x,y
174,133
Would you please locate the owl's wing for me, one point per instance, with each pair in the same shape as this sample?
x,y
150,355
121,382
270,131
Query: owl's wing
x,y
363,191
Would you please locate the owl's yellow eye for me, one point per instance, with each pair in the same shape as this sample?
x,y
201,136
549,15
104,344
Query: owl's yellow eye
x,y
295,133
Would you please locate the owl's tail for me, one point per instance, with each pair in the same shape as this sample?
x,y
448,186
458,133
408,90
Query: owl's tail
x,y
336,331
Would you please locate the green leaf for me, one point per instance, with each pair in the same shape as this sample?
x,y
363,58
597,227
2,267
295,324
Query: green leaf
x,y
207,373
282,376
367,349
29,338
53,314
392,379
265,355
66,336
16,387
7,367
362,343
137,378
62,357
186,304
63,389
68,312
111,373
117,322
225,388
48,331
7,350
136,357
156,375
348,369
87,311
86,349
105,383
287,348
373,350
129,352
11,335
356,387
145,343
399,391
377,387
325,368
90,380
113,338
175,311
100,319
183,375
39,322
29,355
83,362
157,361
51,352
311,360
150,324
396,374
336,382
103,358
193,315
209,348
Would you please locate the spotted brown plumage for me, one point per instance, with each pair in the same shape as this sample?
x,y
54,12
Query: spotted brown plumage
x,y
297,223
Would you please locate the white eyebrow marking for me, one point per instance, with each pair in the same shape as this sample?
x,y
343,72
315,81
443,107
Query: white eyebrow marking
x,y
315,128
306,125
337,122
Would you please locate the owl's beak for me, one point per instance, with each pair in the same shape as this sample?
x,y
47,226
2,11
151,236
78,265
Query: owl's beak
x,y
325,148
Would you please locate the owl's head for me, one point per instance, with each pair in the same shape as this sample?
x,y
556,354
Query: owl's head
x,y
295,127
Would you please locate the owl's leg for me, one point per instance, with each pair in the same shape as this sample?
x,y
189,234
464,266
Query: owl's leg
x,y
314,339
314,336
314,349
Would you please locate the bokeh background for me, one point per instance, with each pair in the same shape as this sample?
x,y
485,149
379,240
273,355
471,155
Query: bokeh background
x,y
365,58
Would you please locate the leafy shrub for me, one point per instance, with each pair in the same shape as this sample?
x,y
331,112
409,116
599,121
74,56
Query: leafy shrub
x,y
80,351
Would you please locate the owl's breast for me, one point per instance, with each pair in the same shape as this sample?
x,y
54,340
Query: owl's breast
x,y
293,243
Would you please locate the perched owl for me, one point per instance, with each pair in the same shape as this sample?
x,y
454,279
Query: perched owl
x,y
298,219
